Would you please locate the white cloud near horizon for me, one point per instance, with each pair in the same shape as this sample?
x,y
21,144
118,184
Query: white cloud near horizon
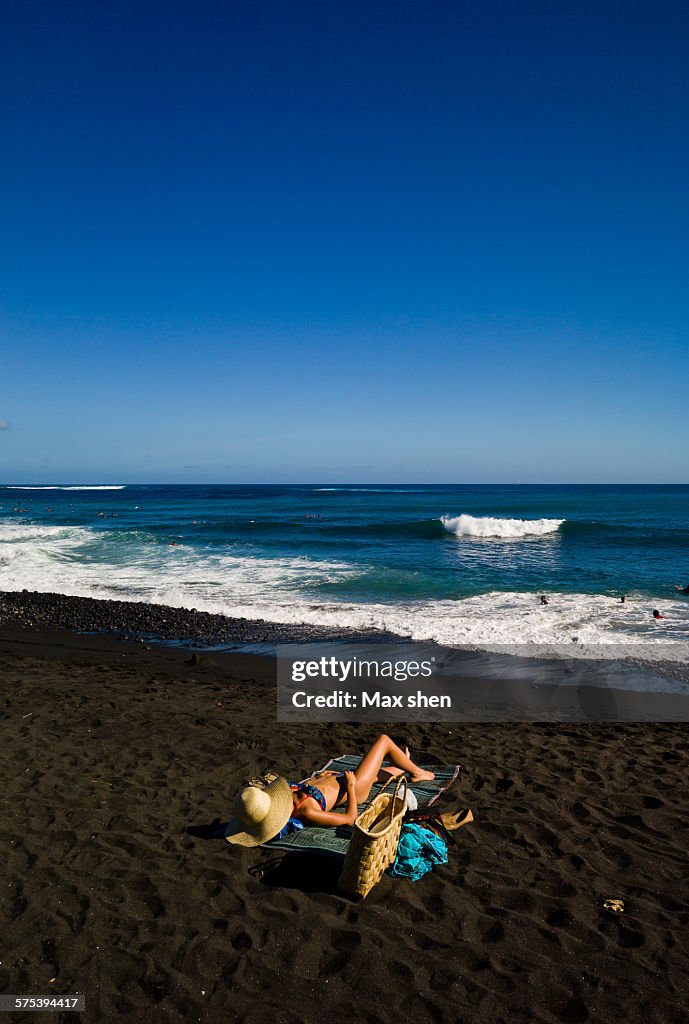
x,y
4,425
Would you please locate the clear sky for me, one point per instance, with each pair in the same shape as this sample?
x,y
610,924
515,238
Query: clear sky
x,y
315,241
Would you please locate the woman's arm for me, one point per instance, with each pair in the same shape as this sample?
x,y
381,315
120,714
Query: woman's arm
x,y
327,819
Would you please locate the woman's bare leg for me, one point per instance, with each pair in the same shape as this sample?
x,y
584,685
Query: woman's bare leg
x,y
385,750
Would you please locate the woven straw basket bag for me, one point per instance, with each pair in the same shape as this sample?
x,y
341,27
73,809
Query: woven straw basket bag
x,y
373,847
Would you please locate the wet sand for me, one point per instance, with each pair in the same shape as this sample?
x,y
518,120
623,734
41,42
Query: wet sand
x,y
110,752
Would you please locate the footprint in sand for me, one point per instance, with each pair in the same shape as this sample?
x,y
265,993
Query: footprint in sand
x,y
575,1011
242,942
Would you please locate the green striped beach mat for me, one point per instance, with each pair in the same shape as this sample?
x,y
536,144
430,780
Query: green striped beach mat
x,y
334,841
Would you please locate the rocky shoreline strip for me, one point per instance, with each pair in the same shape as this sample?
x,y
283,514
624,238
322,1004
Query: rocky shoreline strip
x,y
150,623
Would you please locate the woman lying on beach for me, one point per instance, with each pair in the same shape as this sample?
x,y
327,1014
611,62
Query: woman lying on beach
x,y
263,813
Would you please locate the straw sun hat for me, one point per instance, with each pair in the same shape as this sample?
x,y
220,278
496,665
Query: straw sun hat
x,y
260,813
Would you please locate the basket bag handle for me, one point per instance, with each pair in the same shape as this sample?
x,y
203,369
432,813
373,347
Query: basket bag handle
x,y
398,785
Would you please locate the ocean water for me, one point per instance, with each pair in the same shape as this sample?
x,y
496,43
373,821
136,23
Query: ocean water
x,y
462,565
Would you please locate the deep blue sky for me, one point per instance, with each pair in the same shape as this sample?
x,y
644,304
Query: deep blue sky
x,y
362,241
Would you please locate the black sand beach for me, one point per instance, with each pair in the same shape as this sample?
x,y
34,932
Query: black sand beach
x,y
111,751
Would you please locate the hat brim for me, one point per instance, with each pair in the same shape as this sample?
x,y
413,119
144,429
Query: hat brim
x,y
281,807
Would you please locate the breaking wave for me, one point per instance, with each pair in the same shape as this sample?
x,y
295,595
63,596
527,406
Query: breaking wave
x,y
511,529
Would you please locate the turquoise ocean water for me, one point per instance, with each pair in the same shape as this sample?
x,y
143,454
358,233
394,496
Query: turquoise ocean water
x,y
459,564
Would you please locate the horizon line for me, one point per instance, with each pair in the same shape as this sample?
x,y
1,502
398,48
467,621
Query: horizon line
x,y
327,484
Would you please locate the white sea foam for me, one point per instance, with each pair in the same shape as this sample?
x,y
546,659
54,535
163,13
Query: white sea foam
x,y
60,487
583,625
487,526
138,566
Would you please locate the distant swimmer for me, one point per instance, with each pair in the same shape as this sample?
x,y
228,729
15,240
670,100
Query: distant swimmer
x,y
683,590
543,599
623,599
657,615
